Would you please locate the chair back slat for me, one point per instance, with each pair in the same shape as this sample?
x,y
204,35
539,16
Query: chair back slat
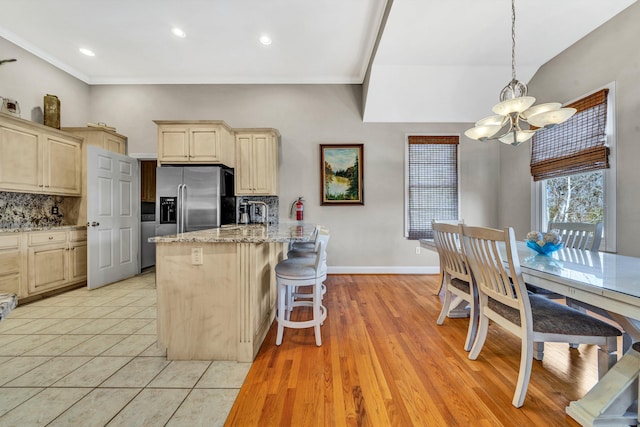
x,y
578,235
448,244
483,253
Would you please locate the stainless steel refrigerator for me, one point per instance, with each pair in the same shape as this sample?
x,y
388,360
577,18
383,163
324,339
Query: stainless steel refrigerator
x,y
193,198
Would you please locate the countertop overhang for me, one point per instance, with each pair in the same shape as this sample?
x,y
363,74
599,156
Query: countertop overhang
x,y
253,233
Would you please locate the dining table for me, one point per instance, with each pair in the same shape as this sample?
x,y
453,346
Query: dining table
x,y
609,282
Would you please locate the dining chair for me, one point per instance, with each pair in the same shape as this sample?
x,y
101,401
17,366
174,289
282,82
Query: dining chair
x,y
503,299
456,276
578,235
584,236
445,221
574,235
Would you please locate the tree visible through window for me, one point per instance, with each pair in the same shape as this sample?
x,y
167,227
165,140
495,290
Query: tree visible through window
x,y
575,198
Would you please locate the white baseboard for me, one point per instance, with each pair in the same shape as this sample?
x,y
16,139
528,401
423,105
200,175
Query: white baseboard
x,y
383,270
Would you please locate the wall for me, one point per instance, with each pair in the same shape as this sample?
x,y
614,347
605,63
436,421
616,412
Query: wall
x,y
365,238
29,79
608,54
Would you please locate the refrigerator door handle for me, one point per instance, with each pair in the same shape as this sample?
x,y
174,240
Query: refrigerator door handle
x,y
185,208
179,211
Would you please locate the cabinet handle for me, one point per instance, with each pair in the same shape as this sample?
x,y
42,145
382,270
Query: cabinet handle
x,y
50,237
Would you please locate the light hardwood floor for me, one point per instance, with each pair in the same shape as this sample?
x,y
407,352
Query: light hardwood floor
x,y
384,361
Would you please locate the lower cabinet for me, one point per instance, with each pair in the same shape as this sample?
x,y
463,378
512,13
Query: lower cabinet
x,y
55,259
11,261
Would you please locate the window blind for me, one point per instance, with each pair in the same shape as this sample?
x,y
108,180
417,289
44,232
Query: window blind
x,y
433,183
575,146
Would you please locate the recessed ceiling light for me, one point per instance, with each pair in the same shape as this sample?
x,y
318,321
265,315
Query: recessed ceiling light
x,y
265,40
178,32
87,52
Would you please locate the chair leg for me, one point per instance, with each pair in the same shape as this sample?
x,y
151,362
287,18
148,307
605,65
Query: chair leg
x,y
445,307
538,350
524,375
473,326
317,312
483,328
280,315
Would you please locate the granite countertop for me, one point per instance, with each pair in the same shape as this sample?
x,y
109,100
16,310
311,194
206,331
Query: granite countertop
x,y
283,232
41,228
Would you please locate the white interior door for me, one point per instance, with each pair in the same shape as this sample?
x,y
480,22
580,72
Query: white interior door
x,y
113,215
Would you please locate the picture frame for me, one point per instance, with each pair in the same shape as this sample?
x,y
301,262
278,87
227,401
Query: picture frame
x,y
342,174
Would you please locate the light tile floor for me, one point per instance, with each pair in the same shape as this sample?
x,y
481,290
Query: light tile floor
x,y
89,358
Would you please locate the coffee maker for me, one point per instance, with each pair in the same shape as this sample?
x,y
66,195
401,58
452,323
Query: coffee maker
x,y
244,212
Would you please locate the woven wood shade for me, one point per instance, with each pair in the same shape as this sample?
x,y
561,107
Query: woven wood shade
x,y
575,146
433,183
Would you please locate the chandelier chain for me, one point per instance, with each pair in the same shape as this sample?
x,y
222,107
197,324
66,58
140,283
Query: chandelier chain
x,y
513,39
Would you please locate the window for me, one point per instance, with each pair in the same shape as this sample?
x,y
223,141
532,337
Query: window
x,y
431,183
573,168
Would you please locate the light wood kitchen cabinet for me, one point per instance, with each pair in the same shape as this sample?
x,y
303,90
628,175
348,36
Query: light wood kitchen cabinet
x,y
99,137
55,259
11,264
195,142
103,138
257,162
38,159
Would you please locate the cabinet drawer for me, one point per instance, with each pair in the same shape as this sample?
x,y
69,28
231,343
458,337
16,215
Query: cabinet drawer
x,y
11,241
10,284
78,235
47,238
9,262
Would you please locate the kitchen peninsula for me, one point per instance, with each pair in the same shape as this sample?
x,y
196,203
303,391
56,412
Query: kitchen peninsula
x,y
216,289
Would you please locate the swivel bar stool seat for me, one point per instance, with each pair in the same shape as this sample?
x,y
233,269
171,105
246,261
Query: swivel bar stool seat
x,y
290,276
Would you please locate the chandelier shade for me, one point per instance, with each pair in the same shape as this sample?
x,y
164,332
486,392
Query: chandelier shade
x,y
516,109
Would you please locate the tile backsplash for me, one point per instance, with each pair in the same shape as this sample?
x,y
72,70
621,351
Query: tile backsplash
x,y
30,210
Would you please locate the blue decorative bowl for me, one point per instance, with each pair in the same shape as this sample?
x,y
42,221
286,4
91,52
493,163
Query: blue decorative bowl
x,y
546,249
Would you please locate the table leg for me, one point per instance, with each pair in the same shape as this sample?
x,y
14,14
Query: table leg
x,y
608,403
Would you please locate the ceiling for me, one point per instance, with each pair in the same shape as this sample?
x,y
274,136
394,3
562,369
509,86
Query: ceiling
x,y
431,53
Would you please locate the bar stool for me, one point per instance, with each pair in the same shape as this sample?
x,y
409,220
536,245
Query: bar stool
x,y
306,246
307,255
290,276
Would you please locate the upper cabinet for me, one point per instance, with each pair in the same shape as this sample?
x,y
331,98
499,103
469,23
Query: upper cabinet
x,y
38,159
257,162
103,138
195,142
148,181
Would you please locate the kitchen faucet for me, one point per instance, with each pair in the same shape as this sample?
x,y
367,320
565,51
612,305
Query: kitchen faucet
x,y
266,210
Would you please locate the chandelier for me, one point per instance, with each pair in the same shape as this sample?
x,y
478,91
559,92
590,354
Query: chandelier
x,y
516,108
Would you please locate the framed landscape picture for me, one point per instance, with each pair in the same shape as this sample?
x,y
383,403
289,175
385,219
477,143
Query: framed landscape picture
x,y
341,174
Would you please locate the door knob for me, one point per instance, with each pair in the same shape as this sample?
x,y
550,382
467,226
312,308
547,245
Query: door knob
x,y
95,224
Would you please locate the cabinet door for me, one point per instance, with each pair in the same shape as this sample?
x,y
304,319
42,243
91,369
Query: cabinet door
x,y
20,159
148,181
77,262
263,165
48,267
62,166
115,144
204,144
243,173
10,264
173,144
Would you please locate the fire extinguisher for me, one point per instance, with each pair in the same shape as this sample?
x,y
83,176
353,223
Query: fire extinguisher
x,y
298,207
